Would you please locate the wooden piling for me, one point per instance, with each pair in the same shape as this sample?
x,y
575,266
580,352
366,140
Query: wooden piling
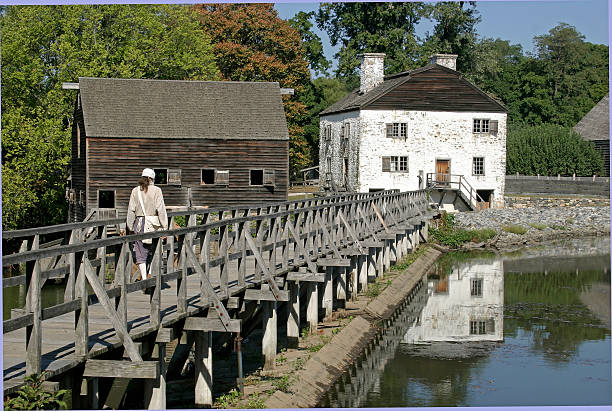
x,y
203,368
293,314
269,342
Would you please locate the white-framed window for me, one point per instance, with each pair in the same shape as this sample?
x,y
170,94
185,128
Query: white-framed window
x,y
395,164
482,326
397,130
478,166
212,176
106,198
161,176
476,287
481,125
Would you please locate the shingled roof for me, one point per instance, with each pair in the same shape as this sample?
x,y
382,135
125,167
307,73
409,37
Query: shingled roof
x,y
143,108
595,125
408,91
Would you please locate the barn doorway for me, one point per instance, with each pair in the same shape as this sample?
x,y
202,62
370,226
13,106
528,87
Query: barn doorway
x,y
442,171
485,195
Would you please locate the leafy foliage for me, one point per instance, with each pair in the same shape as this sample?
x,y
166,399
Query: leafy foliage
x,y
32,396
515,229
252,43
446,233
43,46
550,150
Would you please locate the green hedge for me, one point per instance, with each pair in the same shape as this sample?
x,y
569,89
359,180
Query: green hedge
x,y
550,149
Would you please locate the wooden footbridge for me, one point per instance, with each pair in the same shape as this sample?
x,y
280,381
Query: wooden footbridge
x,y
210,275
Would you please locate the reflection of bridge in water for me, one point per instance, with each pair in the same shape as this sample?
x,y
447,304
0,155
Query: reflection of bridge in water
x,y
214,275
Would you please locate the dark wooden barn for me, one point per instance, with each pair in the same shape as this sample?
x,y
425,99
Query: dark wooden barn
x,y
214,143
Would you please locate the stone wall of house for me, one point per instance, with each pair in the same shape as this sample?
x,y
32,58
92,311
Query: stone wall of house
x,y
514,201
431,136
331,148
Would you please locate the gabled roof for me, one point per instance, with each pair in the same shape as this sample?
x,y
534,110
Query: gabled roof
x,y
142,108
595,125
430,88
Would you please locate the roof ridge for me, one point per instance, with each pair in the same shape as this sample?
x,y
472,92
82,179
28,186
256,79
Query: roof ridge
x,y
180,81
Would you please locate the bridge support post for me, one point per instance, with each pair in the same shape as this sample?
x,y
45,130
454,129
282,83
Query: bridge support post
x,y
341,280
328,292
405,243
372,269
155,390
312,309
398,247
293,314
426,230
268,345
380,265
354,276
363,272
203,368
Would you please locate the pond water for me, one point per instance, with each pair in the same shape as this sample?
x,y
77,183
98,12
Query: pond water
x,y
527,328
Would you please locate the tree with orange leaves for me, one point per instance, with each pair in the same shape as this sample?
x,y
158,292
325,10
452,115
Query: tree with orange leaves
x,y
251,43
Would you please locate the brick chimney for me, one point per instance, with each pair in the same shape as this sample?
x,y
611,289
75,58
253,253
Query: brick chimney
x,y
372,71
446,60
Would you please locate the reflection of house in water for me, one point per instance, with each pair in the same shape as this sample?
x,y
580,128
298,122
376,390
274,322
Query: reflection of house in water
x,y
466,305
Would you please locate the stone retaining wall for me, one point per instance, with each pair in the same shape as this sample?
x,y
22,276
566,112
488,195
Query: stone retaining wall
x,y
552,185
516,201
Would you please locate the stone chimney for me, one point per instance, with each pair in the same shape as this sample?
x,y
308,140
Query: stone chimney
x,y
446,60
372,71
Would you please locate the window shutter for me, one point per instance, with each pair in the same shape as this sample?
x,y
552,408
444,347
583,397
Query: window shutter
x,y
268,177
386,164
222,177
342,131
174,176
493,126
390,130
347,130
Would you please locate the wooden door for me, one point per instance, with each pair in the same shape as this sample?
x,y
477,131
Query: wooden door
x,y
443,171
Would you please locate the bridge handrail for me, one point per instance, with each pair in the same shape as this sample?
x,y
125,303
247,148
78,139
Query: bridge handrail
x,y
462,184
57,228
305,228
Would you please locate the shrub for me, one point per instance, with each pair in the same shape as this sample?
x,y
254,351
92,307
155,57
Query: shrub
x,y
32,396
448,235
516,229
538,226
549,149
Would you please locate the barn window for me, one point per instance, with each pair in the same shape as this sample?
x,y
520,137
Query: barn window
x,y
222,177
208,176
161,176
397,130
268,177
395,164
478,166
174,176
476,287
106,199
256,178
481,125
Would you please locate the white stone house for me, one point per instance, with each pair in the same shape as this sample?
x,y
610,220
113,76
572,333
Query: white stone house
x,y
409,129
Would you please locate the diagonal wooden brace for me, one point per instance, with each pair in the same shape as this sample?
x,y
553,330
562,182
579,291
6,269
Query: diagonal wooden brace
x,y
365,219
311,265
120,328
327,236
351,232
193,261
380,217
266,273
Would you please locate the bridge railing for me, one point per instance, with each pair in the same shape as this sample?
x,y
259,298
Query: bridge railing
x,y
256,244
458,181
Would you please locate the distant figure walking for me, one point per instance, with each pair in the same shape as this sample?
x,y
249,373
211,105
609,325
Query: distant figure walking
x,y
146,213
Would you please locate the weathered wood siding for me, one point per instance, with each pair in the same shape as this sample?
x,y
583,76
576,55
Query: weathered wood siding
x,y
116,164
77,210
435,90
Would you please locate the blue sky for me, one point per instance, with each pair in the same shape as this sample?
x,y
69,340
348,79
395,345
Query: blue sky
x,y
516,21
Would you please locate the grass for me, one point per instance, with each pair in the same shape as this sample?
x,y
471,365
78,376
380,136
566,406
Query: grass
x,y
255,401
228,400
515,229
282,384
446,233
298,364
538,226
315,348
305,332
373,290
557,227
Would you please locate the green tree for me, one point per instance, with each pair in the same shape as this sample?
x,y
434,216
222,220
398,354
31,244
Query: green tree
x,y
252,43
550,149
311,42
43,46
373,27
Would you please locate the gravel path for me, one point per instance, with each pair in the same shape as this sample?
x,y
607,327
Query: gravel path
x,y
542,223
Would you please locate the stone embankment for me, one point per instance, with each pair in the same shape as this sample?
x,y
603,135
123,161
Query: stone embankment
x,y
540,223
